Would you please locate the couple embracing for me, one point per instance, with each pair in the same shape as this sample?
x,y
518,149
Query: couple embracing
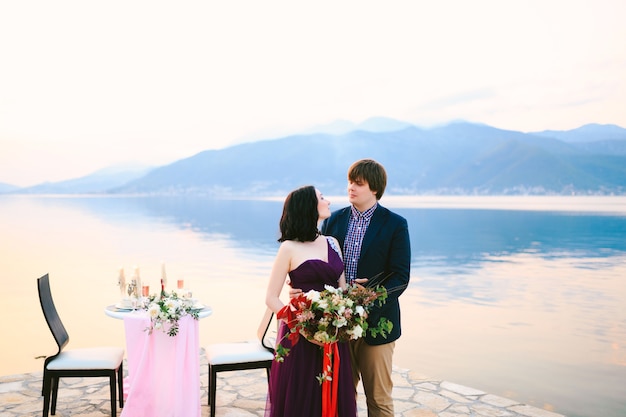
x,y
356,243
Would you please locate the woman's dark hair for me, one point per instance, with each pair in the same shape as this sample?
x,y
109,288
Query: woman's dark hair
x,y
300,216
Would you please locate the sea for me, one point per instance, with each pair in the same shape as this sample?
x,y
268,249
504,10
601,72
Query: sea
x,y
522,296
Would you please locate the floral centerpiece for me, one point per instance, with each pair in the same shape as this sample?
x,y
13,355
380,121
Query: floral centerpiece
x,y
165,309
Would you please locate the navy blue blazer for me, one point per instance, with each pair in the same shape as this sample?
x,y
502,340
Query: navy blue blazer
x,y
386,248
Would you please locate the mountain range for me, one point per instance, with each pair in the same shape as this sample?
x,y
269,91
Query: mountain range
x,y
457,158
97,182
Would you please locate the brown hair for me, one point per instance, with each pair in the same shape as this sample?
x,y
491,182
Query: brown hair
x,y
370,171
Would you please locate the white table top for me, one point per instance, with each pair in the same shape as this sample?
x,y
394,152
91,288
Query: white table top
x,y
118,313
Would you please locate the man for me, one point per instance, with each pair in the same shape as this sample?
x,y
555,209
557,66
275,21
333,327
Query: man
x,y
376,245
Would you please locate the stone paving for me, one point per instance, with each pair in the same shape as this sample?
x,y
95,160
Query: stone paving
x,y
242,394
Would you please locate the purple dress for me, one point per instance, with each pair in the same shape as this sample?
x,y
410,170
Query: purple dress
x,y
293,387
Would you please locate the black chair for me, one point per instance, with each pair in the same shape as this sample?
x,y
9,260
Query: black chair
x,y
255,354
88,362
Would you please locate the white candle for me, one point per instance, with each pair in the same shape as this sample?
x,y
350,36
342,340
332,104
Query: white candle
x,y
138,281
163,275
121,281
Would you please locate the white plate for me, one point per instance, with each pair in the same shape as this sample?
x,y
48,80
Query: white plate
x,y
121,307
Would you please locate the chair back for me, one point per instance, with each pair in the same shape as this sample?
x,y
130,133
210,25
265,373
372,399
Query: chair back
x,y
50,313
267,340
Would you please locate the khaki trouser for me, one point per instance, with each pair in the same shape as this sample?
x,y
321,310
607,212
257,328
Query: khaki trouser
x,y
373,366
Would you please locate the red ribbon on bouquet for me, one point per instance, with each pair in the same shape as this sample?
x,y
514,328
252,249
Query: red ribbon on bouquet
x,y
330,384
288,312
330,361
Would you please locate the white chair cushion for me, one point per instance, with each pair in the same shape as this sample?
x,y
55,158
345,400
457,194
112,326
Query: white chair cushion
x,y
223,353
88,358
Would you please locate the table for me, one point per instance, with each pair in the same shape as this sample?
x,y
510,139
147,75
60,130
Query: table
x,y
163,371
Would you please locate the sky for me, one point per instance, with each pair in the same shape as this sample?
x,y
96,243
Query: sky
x,y
89,84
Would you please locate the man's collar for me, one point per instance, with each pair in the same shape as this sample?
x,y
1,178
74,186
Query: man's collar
x,y
366,214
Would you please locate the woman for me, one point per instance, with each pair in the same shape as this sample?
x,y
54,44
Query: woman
x,y
311,260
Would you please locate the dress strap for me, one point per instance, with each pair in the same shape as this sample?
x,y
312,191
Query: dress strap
x,y
333,244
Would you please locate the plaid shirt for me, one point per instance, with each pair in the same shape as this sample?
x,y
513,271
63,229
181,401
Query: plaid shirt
x,y
357,226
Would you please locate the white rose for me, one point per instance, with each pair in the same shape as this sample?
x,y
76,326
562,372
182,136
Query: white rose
x,y
356,332
331,289
340,322
321,337
153,310
313,295
359,310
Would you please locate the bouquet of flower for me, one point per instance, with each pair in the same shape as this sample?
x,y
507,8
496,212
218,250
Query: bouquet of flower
x,y
166,309
327,317
332,315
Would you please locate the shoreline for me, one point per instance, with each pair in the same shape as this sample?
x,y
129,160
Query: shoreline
x,y
591,204
570,203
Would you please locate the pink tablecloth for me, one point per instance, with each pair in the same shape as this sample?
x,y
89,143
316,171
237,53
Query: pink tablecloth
x,y
163,371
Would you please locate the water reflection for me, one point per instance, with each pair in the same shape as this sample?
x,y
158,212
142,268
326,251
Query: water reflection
x,y
463,237
247,223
